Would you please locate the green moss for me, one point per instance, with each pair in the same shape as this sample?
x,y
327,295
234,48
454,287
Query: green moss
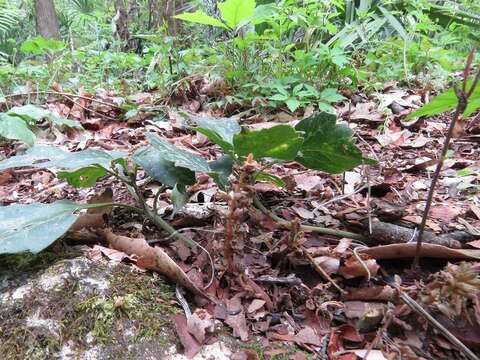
x,y
135,308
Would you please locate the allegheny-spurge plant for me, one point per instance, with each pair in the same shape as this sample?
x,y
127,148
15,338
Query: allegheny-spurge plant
x,y
317,142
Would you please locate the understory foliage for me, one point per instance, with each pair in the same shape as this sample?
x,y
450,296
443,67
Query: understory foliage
x,y
282,53
317,143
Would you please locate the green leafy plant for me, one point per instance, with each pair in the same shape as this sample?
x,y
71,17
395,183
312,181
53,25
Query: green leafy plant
x,y
233,15
317,143
19,122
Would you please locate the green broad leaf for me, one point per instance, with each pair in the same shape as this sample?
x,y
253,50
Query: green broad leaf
x,y
83,177
199,17
328,146
34,227
40,45
221,170
233,12
279,142
60,122
220,131
292,104
447,101
162,170
58,158
13,128
179,157
279,97
331,95
439,104
263,176
179,197
29,112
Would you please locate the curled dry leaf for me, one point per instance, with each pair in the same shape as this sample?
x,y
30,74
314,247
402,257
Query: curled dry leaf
x,y
152,258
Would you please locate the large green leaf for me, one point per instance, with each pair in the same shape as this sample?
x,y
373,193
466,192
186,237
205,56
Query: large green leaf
x,y
279,142
179,157
84,177
58,158
162,170
14,128
34,114
29,112
328,146
220,131
221,170
233,12
33,227
200,17
447,101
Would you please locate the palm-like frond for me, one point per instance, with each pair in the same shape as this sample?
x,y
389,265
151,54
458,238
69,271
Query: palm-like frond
x,y
9,17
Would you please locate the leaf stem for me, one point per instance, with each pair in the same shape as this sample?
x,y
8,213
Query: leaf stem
x,y
462,96
308,228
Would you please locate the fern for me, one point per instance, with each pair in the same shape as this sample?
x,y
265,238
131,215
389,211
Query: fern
x,y
9,17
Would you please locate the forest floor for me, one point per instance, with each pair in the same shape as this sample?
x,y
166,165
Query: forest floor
x,y
301,294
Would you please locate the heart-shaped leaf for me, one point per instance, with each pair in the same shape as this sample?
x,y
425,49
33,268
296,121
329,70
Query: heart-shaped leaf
x,y
234,12
14,128
220,131
164,171
328,146
179,157
33,227
279,142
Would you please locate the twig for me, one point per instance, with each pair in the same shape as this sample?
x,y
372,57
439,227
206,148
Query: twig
x,y
64,95
462,96
308,228
421,311
321,271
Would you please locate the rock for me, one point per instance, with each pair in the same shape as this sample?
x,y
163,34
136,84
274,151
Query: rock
x,y
83,309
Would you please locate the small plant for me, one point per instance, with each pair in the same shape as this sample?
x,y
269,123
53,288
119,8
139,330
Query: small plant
x,y
316,142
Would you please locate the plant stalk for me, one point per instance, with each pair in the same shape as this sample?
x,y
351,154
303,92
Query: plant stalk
x,y
308,228
462,96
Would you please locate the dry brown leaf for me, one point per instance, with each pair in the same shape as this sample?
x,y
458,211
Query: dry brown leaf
x,y
398,251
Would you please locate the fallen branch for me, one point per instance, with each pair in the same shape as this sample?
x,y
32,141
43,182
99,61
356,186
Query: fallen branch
x,y
386,233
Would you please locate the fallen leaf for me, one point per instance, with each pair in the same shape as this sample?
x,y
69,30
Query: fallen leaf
x,y
190,345
352,268
237,322
256,304
199,323
308,336
398,251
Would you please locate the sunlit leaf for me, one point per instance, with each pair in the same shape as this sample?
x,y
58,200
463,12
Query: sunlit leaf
x,y
83,177
279,142
233,12
328,146
200,17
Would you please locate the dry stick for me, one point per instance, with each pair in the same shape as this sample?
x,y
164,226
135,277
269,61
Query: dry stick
x,y
321,271
421,311
308,228
49,92
462,104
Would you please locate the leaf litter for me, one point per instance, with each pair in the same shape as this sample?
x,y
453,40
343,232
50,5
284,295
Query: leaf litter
x,y
282,295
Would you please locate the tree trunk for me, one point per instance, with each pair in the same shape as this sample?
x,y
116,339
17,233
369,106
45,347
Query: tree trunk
x,y
47,23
